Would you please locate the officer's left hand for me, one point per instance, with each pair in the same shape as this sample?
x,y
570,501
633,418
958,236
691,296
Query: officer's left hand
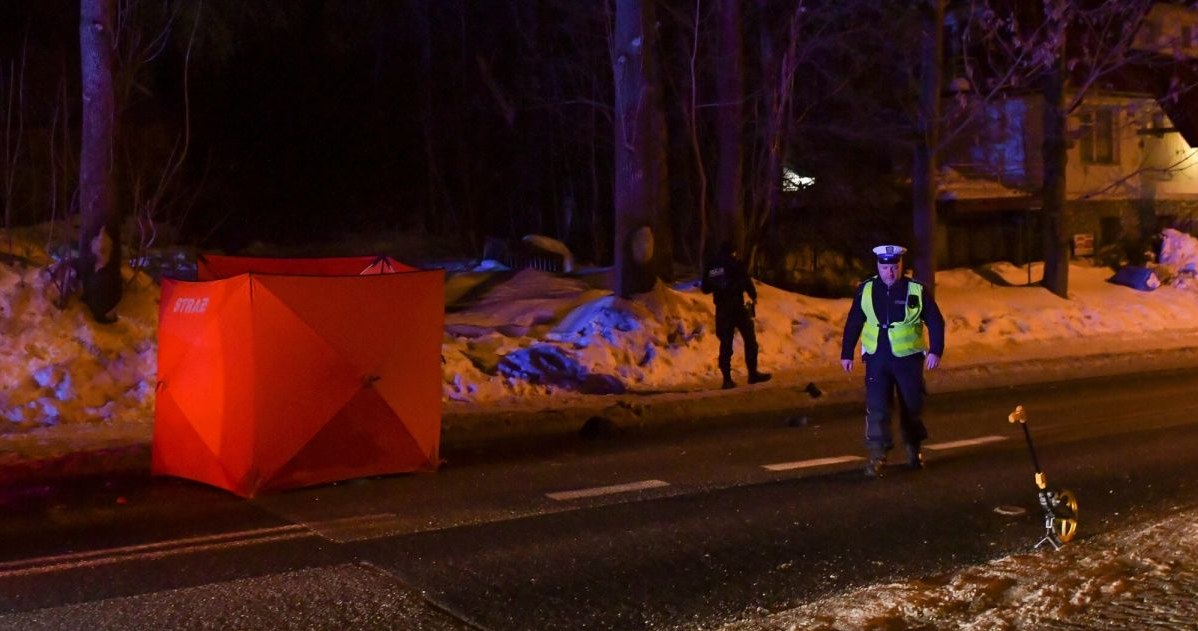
x,y
931,361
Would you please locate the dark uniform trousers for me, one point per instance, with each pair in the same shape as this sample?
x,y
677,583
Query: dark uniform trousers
x,y
883,375
728,320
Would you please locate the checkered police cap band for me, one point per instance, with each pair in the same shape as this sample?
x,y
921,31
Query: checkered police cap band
x,y
889,253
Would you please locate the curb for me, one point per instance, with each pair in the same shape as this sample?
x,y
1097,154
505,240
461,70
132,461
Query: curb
x,y
785,396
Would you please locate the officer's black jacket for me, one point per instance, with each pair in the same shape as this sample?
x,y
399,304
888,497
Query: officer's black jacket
x,y
890,303
728,280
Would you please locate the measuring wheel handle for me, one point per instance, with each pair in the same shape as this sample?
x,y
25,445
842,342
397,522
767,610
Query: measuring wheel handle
x,y
1060,507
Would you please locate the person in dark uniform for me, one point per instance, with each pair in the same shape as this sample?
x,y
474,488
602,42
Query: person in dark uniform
x,y
888,316
727,279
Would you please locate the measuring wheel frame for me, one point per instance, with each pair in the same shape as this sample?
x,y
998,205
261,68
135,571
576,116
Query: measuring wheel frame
x,y
1060,507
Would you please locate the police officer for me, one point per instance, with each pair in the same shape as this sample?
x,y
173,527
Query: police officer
x,y
725,277
888,315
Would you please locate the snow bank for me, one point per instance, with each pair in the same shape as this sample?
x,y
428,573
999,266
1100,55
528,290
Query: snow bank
x,y
59,367
518,338
1178,261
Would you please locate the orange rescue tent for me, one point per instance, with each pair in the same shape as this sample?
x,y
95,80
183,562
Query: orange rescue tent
x,y
215,266
274,381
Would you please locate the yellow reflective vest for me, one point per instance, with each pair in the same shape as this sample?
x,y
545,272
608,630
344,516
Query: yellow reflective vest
x,y
906,337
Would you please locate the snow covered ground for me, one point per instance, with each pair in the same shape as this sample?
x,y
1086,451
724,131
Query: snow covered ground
x,y
1140,577
531,340
536,334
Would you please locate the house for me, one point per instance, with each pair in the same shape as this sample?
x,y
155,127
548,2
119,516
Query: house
x,y
1132,168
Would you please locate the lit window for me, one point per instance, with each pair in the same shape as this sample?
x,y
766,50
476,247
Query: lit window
x,y
792,181
1098,136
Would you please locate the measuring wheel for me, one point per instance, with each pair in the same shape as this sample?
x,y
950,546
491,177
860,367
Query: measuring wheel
x,y
1060,507
1060,517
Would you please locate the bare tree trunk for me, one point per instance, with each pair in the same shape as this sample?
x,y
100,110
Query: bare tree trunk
x,y
923,176
778,71
692,112
438,204
14,131
14,135
99,264
730,92
1056,242
598,232
63,163
640,195
150,192
770,173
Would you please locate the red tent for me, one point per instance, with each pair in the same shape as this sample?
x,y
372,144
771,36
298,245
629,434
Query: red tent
x,y
215,267
299,376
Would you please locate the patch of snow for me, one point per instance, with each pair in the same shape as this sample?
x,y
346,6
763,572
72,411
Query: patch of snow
x,y
955,185
519,338
1136,574
490,265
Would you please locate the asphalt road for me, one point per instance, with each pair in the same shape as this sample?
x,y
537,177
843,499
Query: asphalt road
x,y
642,529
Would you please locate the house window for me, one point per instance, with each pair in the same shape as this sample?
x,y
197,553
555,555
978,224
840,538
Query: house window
x,y
793,182
1098,136
1110,229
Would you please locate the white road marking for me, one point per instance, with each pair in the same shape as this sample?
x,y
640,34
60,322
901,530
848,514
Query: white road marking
x,y
820,462
607,490
356,528
1010,511
969,442
350,527
804,464
108,556
340,529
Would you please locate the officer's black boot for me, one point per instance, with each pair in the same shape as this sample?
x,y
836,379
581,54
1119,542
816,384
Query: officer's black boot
x,y
759,377
728,382
873,466
914,457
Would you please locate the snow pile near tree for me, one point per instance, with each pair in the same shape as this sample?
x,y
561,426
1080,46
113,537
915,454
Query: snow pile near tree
x,y
60,368
538,333
1178,261
523,339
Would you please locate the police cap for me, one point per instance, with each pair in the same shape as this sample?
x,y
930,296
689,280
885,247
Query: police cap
x,y
889,253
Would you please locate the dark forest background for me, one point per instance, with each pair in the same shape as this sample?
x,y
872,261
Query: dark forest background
x,y
301,121
639,132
